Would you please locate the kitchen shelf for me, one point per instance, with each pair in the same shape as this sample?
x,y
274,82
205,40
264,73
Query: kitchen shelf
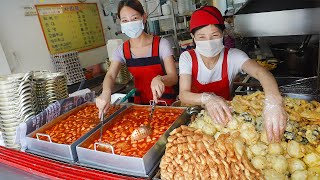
x,y
160,18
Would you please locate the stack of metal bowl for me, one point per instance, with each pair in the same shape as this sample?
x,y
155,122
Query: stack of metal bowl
x,y
17,104
49,87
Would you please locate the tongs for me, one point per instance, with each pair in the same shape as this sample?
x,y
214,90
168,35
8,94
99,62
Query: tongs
x,y
144,131
102,117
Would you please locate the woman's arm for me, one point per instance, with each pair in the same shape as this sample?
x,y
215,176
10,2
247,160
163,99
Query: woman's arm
x,y
159,82
111,76
171,78
274,114
266,79
215,105
103,101
185,94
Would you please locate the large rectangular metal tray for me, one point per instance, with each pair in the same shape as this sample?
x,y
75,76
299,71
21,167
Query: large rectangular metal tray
x,y
134,166
62,152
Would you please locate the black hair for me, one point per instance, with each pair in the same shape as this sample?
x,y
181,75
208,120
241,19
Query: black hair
x,y
221,27
134,4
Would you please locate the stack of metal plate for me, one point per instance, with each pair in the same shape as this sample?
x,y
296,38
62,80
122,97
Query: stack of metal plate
x,y
49,87
17,104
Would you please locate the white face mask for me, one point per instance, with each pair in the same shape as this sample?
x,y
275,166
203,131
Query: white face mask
x,y
133,29
209,48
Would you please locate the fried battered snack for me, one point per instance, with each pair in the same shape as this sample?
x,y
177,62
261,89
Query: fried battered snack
x,y
267,65
191,154
296,157
297,109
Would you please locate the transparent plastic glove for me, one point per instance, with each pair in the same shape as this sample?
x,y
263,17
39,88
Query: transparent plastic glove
x,y
275,117
216,107
157,88
103,103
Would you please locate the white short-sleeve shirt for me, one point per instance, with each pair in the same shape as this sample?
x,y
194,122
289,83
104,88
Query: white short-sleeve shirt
x,y
165,50
236,58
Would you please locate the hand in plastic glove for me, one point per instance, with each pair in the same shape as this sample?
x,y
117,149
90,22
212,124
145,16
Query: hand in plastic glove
x,y
157,88
216,107
275,117
103,102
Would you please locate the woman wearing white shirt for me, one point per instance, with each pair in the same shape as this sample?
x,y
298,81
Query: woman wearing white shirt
x,y
148,58
206,73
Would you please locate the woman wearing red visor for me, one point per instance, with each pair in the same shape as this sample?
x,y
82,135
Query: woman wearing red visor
x,y
148,58
206,73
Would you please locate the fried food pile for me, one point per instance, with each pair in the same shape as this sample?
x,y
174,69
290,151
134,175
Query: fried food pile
x,y
296,157
304,117
269,66
191,154
297,109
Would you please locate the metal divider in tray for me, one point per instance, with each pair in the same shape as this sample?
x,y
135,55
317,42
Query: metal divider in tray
x,y
116,157
41,143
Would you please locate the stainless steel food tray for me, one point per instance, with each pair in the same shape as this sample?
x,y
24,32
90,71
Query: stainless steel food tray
x,y
62,152
134,166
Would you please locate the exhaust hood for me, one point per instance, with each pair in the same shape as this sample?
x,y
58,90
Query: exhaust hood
x,y
259,18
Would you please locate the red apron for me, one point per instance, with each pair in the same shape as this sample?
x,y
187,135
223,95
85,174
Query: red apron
x,y
144,70
220,88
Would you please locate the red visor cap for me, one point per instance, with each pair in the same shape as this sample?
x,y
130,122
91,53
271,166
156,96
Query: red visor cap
x,y
204,16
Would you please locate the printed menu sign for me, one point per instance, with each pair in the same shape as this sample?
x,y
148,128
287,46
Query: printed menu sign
x,y
71,27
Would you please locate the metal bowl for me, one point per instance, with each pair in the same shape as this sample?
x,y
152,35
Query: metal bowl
x,y
8,99
6,108
24,86
10,125
7,121
6,112
9,86
9,138
13,146
9,141
25,111
27,97
14,77
9,116
8,103
11,129
307,97
8,134
27,116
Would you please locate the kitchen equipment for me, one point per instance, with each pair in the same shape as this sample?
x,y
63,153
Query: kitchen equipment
x,y
153,8
63,152
301,86
49,87
145,130
101,119
297,58
102,116
17,103
131,92
134,166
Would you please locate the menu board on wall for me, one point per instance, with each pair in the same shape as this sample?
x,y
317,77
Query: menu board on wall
x,y
71,27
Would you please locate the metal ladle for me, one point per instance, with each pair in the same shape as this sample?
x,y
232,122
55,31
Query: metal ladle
x,y
145,130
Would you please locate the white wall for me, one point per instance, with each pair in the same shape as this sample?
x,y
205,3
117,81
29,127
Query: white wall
x,y
23,41
4,66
